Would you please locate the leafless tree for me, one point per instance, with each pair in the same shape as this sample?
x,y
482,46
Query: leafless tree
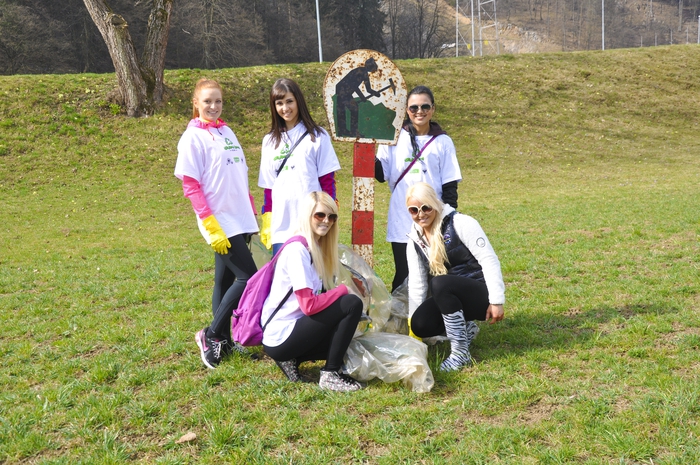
x,y
140,80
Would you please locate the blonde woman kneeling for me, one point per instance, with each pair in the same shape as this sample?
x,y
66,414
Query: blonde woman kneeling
x,y
454,275
312,324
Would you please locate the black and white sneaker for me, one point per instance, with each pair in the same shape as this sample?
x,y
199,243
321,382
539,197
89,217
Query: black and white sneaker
x,y
233,347
211,350
290,368
336,381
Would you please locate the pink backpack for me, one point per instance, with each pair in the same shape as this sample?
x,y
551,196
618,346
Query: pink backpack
x,y
245,321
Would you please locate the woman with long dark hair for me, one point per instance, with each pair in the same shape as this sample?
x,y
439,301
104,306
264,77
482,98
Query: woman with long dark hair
x,y
424,153
297,158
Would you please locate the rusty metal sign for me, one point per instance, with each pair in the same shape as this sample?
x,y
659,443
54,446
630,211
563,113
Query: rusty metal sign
x,y
365,98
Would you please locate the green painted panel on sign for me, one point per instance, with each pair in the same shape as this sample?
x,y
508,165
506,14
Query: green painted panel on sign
x,y
374,121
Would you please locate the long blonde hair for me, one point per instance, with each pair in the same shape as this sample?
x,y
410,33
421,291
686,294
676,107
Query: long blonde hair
x,y
437,255
203,83
324,253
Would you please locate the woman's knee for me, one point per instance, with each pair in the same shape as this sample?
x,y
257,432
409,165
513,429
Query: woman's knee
x,y
439,285
351,305
426,325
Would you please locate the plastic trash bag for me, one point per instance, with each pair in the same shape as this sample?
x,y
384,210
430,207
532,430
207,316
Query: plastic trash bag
x,y
391,358
398,322
362,281
261,254
398,309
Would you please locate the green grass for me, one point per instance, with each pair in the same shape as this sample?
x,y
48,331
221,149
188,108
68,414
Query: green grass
x,y
583,169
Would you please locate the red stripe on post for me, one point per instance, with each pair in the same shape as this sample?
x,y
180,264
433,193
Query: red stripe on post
x,y
362,228
363,160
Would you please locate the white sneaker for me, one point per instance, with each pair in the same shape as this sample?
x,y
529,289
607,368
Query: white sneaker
x,y
335,381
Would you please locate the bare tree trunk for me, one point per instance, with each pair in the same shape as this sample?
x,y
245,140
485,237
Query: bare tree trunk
x,y
393,19
140,83
115,33
154,50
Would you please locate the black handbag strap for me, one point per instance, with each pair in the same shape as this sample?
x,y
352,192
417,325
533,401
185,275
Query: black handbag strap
x,y
284,161
283,300
415,159
278,308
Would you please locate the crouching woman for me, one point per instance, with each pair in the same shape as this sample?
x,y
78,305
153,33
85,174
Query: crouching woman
x,y
454,276
312,324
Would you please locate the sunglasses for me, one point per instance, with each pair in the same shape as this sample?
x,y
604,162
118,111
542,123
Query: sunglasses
x,y
423,208
425,107
320,216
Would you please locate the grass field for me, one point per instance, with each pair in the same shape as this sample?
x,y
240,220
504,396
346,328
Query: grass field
x,y
583,168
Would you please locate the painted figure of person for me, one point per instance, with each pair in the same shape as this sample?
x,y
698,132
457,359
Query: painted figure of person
x,y
345,90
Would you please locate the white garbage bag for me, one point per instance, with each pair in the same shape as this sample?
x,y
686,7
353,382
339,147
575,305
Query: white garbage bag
x,y
362,281
398,309
391,358
259,252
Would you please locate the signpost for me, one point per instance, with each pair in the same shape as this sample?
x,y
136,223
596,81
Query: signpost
x,y
365,99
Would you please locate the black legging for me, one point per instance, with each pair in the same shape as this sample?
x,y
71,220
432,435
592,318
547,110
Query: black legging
x,y
323,336
450,294
231,273
400,264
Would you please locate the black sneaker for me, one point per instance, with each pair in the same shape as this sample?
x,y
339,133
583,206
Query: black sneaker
x,y
290,368
211,350
336,381
233,347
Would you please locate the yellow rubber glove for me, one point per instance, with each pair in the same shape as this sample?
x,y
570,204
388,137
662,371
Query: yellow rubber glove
x,y
266,230
219,241
410,331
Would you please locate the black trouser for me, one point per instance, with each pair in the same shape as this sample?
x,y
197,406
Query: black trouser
x,y
323,336
400,264
450,294
231,273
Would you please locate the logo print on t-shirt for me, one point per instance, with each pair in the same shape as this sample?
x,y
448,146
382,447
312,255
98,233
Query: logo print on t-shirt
x,y
230,161
229,145
481,242
285,150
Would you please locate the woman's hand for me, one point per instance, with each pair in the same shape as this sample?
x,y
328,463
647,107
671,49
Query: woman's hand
x,y
494,313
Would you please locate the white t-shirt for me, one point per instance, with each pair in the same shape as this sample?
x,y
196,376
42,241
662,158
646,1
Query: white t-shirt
x,y
293,269
309,161
215,159
437,166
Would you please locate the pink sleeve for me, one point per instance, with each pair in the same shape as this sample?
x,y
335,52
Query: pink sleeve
x,y
327,182
311,304
252,203
267,201
193,191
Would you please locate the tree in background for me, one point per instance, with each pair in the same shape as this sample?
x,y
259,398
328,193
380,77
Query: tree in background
x,y
30,40
218,34
140,81
417,28
359,24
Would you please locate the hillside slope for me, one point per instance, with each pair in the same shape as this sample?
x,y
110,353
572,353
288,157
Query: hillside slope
x,y
534,114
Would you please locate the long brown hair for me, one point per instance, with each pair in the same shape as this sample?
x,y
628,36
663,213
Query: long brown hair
x,y
203,83
278,91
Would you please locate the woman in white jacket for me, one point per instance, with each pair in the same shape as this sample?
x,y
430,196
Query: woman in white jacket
x,y
454,275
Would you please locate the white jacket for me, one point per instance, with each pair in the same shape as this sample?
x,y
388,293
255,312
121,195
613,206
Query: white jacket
x,y
472,235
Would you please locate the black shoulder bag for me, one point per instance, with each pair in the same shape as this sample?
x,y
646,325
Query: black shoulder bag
x,y
284,161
